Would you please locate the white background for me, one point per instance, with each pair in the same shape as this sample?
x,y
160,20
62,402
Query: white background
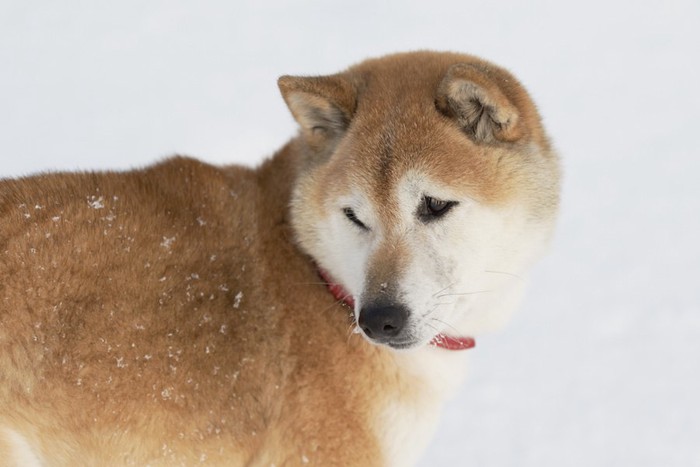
x,y
601,367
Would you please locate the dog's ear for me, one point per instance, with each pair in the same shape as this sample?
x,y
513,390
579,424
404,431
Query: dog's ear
x,y
323,105
477,97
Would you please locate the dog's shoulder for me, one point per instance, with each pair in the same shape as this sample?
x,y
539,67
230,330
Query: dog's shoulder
x,y
108,250
172,190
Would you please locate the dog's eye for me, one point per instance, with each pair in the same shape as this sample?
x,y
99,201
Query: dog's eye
x,y
350,214
433,208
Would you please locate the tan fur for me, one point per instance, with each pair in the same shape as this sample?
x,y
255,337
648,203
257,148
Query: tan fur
x,y
167,316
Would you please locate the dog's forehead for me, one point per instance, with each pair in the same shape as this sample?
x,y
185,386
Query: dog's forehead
x,y
404,74
397,129
416,150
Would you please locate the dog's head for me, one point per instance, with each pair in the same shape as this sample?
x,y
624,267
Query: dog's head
x,y
427,186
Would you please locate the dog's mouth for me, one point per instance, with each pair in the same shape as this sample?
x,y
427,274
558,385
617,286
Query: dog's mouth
x,y
439,340
402,345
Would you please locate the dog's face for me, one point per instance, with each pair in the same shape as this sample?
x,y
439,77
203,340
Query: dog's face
x,y
427,189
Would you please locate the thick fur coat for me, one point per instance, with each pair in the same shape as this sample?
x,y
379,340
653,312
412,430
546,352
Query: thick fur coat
x,y
174,315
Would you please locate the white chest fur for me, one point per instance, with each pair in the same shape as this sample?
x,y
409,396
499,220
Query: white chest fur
x,y
406,425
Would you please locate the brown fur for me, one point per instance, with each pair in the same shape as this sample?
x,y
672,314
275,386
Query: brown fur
x,y
166,315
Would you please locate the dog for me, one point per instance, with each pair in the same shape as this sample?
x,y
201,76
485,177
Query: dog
x,y
315,310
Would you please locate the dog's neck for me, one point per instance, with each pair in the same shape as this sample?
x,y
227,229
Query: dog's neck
x,y
441,340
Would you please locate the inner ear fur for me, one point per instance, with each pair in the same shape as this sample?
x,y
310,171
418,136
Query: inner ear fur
x,y
320,104
477,99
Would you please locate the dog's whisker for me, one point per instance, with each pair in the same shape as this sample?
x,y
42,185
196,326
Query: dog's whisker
x,y
330,307
504,273
434,308
351,331
464,293
337,302
443,289
446,324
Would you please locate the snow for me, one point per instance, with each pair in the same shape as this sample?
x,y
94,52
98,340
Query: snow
x,y
601,366
167,242
96,202
237,299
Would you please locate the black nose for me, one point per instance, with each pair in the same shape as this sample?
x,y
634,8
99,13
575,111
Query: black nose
x,y
381,322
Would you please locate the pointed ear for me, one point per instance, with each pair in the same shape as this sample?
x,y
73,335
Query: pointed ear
x,y
476,98
322,105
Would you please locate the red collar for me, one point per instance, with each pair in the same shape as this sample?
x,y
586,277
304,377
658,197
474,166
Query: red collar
x,y
441,340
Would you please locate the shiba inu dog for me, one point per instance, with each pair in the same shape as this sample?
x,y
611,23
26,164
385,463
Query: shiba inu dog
x,y
312,311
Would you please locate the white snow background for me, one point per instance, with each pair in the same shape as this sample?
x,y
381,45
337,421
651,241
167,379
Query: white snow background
x,y
601,366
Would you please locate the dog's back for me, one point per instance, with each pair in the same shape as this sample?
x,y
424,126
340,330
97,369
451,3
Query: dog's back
x,y
159,314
